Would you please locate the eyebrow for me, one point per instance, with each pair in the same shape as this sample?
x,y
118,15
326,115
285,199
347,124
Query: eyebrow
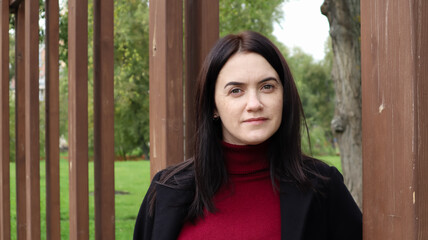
x,y
240,83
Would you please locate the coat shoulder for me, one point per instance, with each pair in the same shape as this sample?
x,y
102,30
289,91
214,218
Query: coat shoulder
x,y
317,166
321,173
179,176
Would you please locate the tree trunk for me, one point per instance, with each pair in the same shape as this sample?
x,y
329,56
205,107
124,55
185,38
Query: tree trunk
x,y
344,19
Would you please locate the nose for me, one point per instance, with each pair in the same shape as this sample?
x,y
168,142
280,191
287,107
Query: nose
x,y
253,103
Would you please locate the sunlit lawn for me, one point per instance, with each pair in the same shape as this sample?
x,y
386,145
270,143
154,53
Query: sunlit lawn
x,y
131,180
332,161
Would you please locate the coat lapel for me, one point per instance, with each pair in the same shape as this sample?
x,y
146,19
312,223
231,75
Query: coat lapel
x,y
294,209
171,209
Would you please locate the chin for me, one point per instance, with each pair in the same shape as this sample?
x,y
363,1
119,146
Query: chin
x,y
256,141
257,138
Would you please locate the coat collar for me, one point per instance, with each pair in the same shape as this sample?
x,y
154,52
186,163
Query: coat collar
x,y
172,207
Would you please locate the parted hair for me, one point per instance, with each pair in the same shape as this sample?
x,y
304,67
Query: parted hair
x,y
206,167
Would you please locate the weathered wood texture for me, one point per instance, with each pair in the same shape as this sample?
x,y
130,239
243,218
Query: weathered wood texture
x,y
53,230
32,146
202,31
21,220
104,119
78,118
4,122
395,127
166,83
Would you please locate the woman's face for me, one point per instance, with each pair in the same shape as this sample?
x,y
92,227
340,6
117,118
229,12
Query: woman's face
x,y
248,98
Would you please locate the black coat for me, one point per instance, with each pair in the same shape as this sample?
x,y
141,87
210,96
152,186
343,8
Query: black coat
x,y
328,212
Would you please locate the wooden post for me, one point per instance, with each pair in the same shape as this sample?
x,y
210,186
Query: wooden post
x,y
4,122
104,119
21,224
32,146
202,32
53,230
78,118
166,83
395,127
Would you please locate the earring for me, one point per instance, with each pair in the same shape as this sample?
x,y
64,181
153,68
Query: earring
x,y
216,117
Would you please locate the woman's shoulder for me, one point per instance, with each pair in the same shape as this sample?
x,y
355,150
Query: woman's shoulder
x,y
177,176
312,164
321,173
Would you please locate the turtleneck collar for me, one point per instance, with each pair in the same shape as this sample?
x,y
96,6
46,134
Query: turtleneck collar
x,y
245,159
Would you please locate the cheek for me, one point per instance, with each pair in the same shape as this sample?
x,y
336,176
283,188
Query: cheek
x,y
274,101
221,104
278,107
225,109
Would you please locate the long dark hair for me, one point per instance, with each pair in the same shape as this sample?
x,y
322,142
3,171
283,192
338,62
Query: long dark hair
x,y
285,155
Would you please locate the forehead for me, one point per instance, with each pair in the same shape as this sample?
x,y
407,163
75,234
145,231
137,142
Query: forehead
x,y
245,66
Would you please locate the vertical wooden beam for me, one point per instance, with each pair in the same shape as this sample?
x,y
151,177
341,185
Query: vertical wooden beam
x,y
395,129
4,122
421,118
32,152
21,224
78,118
166,84
104,119
53,230
202,32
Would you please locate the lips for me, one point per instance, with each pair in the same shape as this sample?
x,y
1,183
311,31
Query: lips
x,y
256,120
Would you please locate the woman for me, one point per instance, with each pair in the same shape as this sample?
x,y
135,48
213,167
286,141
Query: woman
x,y
248,178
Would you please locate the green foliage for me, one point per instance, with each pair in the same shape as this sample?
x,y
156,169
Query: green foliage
x,y
259,16
12,139
63,102
131,77
317,94
42,129
63,34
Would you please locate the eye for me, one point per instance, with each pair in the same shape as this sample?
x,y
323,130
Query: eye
x,y
268,87
235,91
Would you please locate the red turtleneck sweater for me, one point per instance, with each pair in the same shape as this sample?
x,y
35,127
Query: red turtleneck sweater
x,y
248,208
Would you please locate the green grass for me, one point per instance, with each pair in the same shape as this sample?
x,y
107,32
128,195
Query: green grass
x,y
332,161
132,177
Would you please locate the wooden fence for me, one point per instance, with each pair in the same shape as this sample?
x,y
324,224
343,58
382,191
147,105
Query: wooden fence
x,y
26,15
166,88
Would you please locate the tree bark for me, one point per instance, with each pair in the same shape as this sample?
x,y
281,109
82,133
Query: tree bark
x,y
344,19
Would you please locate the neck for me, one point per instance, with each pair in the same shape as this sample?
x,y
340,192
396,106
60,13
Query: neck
x,y
245,159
